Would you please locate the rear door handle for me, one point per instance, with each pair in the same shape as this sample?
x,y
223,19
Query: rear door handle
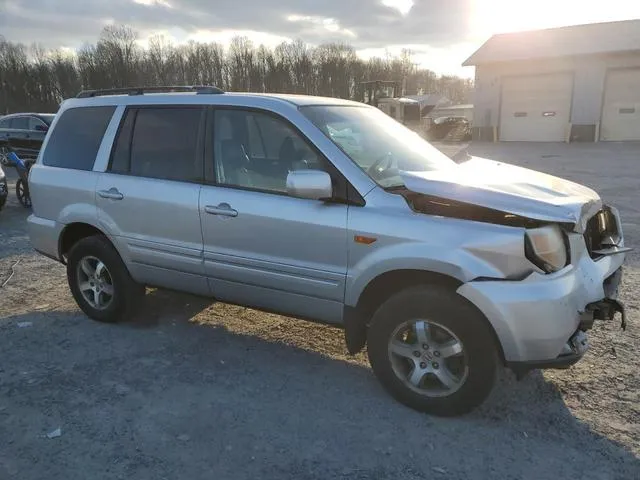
x,y
112,194
223,209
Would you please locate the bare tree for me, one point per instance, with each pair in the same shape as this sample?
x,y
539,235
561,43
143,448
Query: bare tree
x,y
38,79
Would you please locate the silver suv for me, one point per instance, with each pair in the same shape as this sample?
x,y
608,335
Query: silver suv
x,y
327,210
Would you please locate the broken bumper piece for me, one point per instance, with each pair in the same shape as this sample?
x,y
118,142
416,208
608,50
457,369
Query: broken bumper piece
x,y
605,309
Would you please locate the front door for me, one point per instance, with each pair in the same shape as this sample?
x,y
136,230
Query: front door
x,y
263,248
148,197
19,136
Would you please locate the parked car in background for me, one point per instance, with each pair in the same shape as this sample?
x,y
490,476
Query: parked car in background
x,y
4,190
24,133
332,211
454,129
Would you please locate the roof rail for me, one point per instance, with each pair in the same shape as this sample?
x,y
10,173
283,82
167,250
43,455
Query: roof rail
x,y
198,89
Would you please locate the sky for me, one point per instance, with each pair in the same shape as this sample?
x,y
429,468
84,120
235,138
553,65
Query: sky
x,y
440,33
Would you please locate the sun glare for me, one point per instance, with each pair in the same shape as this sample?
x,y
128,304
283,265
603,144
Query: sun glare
x,y
498,16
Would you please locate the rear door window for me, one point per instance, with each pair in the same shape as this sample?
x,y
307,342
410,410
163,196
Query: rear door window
x,y
160,142
36,124
20,123
75,140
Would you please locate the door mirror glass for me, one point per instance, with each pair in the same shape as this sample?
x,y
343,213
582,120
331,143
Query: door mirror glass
x,y
310,184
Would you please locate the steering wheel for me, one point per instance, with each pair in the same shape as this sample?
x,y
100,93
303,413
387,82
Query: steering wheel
x,y
376,167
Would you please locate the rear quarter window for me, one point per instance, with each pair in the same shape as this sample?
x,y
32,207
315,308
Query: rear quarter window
x,y
76,138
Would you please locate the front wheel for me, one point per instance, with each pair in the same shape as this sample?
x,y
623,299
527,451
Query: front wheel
x,y
433,351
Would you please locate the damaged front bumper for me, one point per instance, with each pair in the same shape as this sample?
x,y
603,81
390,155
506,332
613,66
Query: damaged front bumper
x,y
578,344
541,321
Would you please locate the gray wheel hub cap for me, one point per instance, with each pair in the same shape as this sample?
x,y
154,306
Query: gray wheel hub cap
x,y
428,358
95,282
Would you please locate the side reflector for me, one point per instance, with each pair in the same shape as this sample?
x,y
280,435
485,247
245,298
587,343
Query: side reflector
x,y
364,240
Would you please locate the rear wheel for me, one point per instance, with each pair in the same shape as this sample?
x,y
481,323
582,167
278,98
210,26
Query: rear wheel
x,y
432,351
100,282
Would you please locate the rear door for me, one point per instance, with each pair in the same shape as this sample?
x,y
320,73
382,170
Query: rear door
x,y
37,131
148,197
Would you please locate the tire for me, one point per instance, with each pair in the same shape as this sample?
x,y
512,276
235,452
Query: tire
x,y
22,192
413,376
117,293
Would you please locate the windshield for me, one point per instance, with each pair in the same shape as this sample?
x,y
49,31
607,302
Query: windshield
x,y
377,143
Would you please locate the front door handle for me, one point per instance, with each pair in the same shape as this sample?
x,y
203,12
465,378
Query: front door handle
x,y
112,194
223,209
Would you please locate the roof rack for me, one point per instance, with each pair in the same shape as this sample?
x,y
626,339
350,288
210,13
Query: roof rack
x,y
198,89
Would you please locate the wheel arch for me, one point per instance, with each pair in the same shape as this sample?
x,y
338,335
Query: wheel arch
x,y
74,232
380,288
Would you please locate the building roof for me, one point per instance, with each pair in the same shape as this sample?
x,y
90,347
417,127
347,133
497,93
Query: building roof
x,y
594,38
429,99
462,106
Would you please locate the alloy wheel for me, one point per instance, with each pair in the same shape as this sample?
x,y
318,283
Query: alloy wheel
x,y
428,358
95,282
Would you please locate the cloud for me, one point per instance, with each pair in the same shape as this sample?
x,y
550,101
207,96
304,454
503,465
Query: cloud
x,y
365,24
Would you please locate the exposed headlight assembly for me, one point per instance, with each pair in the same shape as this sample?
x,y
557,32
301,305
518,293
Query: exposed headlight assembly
x,y
547,248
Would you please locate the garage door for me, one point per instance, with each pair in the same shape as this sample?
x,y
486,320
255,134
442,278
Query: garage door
x,y
536,108
621,110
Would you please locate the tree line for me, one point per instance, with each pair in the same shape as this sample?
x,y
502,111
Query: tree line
x,y
35,79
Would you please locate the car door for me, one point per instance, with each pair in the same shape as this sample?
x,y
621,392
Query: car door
x,y
263,248
4,137
5,125
37,131
148,195
18,137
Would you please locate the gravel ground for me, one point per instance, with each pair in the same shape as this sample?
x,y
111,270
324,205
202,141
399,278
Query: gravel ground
x,y
194,389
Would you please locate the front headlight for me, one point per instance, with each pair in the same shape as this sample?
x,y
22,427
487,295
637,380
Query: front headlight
x,y
546,248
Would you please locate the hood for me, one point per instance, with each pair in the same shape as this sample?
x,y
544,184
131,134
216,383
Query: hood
x,y
509,189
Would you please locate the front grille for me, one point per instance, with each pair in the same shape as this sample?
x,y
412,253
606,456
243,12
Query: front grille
x,y
601,232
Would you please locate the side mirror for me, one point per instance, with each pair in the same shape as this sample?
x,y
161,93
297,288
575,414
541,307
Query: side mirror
x,y
41,128
309,184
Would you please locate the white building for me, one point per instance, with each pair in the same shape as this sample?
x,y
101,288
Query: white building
x,y
579,83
